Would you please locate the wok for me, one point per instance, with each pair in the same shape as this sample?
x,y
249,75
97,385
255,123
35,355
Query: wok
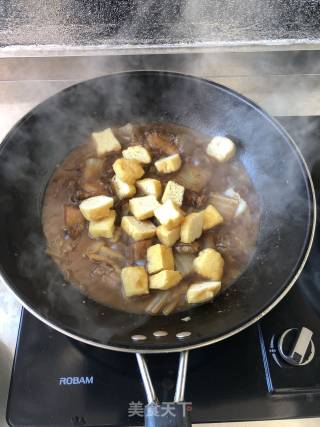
x,y
33,148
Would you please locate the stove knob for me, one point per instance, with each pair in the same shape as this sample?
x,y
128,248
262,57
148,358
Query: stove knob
x,y
296,346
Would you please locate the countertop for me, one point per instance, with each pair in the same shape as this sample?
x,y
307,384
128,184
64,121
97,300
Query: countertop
x,y
30,86
9,322
33,28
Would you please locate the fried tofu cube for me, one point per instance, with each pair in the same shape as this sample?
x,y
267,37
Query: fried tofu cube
x,y
138,230
169,214
169,164
159,257
202,292
192,227
128,170
95,208
143,207
211,217
209,263
165,279
104,227
137,152
174,192
105,142
150,186
221,148
122,189
135,281
166,236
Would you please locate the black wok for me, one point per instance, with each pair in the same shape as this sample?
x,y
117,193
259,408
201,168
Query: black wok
x,y
43,137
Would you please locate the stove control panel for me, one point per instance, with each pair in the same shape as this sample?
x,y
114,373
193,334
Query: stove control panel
x,y
296,346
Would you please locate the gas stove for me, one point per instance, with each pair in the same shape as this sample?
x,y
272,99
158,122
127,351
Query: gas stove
x,y
270,371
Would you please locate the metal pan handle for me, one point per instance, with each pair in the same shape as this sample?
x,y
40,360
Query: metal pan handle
x,y
158,414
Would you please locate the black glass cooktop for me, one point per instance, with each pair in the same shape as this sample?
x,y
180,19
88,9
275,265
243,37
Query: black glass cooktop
x,y
57,381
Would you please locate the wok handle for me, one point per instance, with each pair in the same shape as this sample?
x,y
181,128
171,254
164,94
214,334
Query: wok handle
x,y
173,414
166,415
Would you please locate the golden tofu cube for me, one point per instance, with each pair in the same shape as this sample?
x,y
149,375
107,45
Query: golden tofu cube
x,y
150,187
159,257
122,189
165,279
174,192
137,152
169,214
103,227
96,207
211,217
221,148
169,164
209,263
128,170
143,207
135,281
202,292
105,142
166,236
138,230
191,228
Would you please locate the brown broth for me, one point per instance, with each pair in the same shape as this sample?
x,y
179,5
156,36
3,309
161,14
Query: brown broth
x,y
100,280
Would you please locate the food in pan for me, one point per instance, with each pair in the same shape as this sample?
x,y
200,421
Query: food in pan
x,y
151,218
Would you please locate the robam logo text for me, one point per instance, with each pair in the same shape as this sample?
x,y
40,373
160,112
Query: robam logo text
x,y
75,380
